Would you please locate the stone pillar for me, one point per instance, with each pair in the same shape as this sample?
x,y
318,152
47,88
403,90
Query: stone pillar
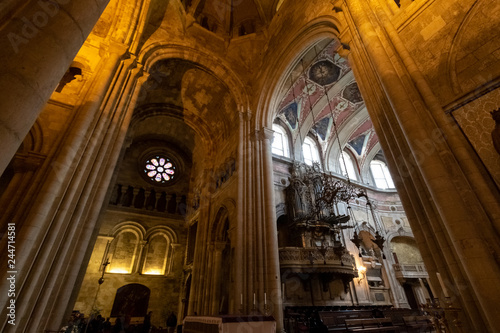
x,y
37,46
239,245
217,277
199,273
58,232
140,256
434,173
272,276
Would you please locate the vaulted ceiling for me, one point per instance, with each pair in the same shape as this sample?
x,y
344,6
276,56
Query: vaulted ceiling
x,y
320,97
232,17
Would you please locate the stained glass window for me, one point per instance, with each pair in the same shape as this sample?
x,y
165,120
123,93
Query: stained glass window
x,y
159,169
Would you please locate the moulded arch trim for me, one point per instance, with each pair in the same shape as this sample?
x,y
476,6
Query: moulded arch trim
x,y
366,165
400,233
218,224
215,66
163,230
283,64
280,210
354,160
136,227
197,124
455,43
229,204
35,137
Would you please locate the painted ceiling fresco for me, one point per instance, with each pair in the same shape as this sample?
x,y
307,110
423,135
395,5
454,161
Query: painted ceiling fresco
x,y
322,88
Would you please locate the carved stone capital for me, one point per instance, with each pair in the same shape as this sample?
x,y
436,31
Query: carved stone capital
x,y
266,134
27,162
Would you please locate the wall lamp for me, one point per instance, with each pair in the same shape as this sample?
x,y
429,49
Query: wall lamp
x,y
362,272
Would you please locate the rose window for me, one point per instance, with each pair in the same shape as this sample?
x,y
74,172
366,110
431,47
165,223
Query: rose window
x,y
159,169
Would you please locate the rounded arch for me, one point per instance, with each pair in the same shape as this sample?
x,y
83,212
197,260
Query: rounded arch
x,y
220,226
365,168
315,149
135,227
123,251
162,229
34,140
349,158
460,35
400,233
158,252
406,250
278,71
214,65
199,125
131,300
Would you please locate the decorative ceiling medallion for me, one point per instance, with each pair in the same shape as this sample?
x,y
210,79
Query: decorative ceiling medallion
x,y
324,72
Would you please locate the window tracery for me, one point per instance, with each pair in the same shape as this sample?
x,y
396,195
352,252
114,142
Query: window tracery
x,y
159,169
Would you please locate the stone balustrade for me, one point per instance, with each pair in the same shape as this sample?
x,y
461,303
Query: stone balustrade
x,y
148,200
410,271
304,259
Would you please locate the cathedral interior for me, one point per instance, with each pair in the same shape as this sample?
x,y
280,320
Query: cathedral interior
x,y
230,157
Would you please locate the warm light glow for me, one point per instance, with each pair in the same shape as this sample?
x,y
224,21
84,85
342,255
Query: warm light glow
x,y
153,272
119,271
361,271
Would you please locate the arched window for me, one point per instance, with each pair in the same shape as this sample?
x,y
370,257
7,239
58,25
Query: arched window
x,y
310,151
155,261
348,168
122,252
381,175
280,141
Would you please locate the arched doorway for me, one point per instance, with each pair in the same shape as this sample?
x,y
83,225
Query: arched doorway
x,y
131,300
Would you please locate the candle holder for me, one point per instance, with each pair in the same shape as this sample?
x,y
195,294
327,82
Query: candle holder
x,y
266,310
447,302
436,303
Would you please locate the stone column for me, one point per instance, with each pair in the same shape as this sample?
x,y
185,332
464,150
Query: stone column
x,y
37,46
436,173
199,273
55,237
217,277
239,248
272,276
